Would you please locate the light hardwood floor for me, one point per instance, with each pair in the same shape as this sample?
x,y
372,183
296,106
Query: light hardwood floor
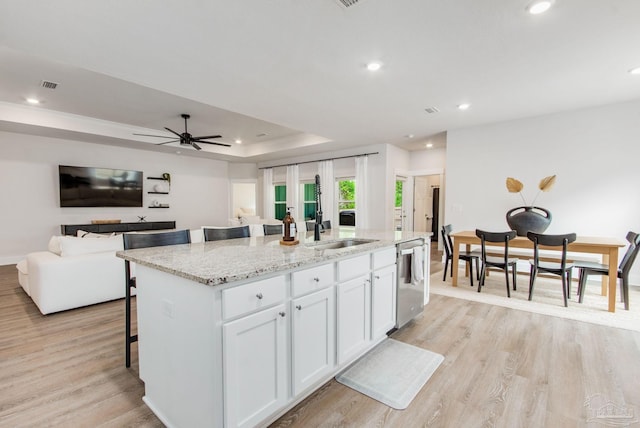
x,y
502,367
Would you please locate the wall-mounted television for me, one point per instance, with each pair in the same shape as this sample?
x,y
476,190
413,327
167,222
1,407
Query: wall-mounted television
x,y
82,186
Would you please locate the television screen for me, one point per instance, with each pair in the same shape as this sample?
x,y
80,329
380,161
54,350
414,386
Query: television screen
x,y
99,187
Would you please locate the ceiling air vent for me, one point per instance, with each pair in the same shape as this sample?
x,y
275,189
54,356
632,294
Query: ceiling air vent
x,y
348,3
48,85
432,110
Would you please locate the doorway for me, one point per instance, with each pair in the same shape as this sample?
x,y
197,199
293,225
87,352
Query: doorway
x,y
426,203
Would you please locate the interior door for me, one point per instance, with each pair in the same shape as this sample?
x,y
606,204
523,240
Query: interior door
x,y
422,203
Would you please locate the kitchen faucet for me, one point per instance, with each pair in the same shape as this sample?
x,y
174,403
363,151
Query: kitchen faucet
x,y
318,224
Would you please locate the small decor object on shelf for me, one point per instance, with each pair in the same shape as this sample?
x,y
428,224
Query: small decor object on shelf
x,y
529,218
111,221
167,177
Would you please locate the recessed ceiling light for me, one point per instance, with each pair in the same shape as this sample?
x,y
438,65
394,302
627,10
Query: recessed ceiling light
x,y
261,135
539,6
409,136
238,141
374,66
635,70
464,106
429,145
33,101
178,152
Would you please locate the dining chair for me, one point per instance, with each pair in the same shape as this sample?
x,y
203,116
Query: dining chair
x,y
592,268
467,256
143,240
504,262
217,234
561,268
272,229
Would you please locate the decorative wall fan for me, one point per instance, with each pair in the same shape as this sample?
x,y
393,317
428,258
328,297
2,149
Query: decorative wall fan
x,y
187,139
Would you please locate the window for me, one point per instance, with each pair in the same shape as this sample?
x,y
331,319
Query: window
x,y
309,200
280,201
347,202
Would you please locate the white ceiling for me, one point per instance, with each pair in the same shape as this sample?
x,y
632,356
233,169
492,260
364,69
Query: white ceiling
x,y
295,69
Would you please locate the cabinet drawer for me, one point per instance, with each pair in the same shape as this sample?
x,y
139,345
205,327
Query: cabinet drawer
x,y
312,279
384,258
249,297
354,267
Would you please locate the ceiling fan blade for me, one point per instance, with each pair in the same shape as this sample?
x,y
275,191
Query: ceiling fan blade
x,y
207,137
166,142
213,142
173,132
197,147
159,136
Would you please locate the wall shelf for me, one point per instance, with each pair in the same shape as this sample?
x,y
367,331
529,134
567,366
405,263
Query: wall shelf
x,y
158,193
157,178
159,207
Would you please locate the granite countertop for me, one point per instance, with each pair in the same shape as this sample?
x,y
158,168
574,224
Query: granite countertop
x,y
221,262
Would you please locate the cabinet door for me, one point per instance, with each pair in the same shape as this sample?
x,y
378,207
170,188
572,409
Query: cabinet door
x,y
255,366
353,317
313,338
383,301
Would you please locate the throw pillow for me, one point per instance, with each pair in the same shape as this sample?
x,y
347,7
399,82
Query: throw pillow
x,y
54,245
74,246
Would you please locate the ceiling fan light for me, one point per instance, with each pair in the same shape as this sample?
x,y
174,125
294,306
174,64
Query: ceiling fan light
x,y
539,6
464,106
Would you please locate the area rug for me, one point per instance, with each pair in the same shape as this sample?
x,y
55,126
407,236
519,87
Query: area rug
x,y
392,373
547,298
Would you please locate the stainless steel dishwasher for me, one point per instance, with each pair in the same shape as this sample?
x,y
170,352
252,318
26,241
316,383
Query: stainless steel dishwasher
x,y
411,255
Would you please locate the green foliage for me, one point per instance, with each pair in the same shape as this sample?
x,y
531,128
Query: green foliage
x,y
399,193
347,189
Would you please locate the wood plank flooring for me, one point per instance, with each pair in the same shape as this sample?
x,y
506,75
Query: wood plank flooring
x,y
502,368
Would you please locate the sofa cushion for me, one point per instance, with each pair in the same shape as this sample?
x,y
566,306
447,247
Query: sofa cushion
x,y
73,246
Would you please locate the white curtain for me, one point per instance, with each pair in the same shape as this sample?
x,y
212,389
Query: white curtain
x,y
268,210
362,198
327,184
293,193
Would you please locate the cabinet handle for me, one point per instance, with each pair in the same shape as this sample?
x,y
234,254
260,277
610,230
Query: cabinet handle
x,y
316,279
282,314
259,296
299,307
367,280
377,276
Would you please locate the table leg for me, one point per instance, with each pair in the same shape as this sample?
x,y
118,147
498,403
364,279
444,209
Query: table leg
x,y
613,278
605,278
454,263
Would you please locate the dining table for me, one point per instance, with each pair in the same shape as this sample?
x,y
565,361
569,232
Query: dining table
x,y
606,247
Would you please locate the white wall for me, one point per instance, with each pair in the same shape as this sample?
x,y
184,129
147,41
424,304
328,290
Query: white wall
x,y
594,153
29,193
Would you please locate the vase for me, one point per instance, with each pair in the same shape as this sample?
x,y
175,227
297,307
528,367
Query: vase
x,y
528,219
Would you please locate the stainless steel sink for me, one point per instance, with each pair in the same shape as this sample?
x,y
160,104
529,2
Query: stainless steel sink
x,y
342,243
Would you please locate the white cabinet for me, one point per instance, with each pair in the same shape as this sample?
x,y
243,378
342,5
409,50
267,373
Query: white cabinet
x,y
383,301
313,338
353,317
255,369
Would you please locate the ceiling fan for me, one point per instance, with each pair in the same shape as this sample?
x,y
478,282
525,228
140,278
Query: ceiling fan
x,y
187,139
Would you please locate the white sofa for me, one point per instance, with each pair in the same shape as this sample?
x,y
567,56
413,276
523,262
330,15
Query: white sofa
x,y
75,272
81,271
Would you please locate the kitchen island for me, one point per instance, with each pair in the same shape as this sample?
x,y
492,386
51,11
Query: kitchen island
x,y
236,332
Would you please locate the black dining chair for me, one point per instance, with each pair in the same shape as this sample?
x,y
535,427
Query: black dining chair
x,y
218,234
561,268
143,240
272,229
591,268
467,256
504,262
